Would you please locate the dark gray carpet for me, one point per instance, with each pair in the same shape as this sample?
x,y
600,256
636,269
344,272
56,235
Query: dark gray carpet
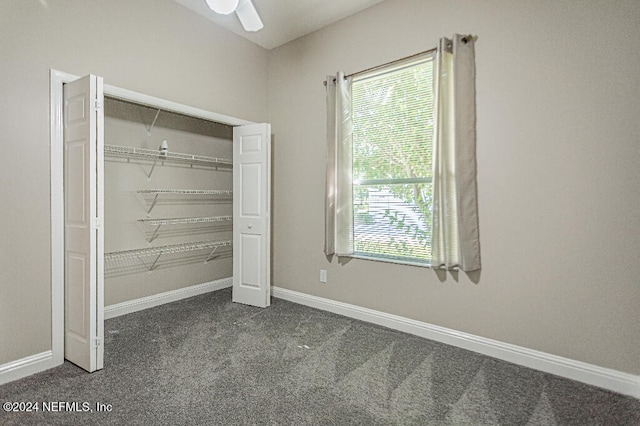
x,y
206,360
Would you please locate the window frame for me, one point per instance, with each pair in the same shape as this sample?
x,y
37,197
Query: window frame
x,y
410,62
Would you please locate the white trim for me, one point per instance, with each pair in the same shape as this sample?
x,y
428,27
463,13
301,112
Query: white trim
x,y
57,215
154,102
136,305
163,104
617,381
26,366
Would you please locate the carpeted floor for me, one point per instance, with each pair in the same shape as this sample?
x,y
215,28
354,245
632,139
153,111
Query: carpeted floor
x,y
206,360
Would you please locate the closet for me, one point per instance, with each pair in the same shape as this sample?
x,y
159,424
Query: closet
x,y
168,212
150,198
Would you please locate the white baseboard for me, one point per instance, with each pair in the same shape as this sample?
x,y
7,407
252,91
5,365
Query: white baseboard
x,y
27,366
131,306
616,381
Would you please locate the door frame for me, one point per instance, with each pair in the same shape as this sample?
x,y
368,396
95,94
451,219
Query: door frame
x,y
57,79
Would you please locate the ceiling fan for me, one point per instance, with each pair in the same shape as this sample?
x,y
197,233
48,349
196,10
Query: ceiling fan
x,y
245,10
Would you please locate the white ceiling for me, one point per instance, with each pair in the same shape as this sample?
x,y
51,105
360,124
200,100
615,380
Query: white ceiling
x,y
284,20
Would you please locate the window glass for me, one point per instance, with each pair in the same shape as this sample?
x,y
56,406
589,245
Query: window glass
x,y
392,161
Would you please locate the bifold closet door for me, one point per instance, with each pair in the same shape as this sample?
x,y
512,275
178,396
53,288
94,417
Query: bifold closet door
x,y
251,214
83,205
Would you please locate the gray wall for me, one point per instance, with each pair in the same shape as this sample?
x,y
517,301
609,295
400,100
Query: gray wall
x,y
155,47
558,175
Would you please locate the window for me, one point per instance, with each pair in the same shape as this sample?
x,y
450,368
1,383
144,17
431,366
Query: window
x,y
401,166
392,113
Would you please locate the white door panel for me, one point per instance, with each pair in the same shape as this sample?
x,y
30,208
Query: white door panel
x,y
251,260
251,182
251,210
83,180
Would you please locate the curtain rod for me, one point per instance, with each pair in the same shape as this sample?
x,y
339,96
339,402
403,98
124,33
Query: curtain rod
x,y
391,62
388,63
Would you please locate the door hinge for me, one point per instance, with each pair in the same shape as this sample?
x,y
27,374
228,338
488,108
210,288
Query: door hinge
x,y
96,223
97,342
97,104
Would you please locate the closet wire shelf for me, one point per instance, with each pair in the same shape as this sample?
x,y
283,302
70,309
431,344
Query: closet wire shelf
x,y
152,226
151,196
150,258
162,156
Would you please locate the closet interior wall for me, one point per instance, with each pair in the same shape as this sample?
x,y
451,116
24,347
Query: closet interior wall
x,y
147,250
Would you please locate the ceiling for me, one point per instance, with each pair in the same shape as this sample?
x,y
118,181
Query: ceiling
x,y
284,20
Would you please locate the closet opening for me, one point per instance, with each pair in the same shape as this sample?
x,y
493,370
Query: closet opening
x,y
168,211
151,201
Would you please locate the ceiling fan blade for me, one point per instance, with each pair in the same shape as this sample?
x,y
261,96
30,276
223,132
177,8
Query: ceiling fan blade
x,y
248,16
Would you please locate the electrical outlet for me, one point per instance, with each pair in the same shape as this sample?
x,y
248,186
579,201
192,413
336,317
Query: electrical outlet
x,y
323,275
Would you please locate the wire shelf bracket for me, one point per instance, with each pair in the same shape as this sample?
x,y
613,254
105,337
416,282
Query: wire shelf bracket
x,y
153,123
211,255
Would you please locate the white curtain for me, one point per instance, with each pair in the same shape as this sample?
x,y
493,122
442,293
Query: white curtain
x,y
339,192
455,239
